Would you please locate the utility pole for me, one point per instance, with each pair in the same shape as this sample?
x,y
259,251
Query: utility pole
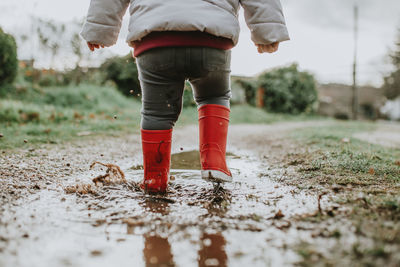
x,y
354,101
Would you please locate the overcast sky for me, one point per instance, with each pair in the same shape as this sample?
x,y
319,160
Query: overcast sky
x,y
321,35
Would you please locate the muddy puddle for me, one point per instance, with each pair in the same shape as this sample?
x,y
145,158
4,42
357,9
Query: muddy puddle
x,y
194,224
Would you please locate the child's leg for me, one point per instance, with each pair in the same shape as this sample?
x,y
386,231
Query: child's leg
x,y
212,94
214,86
161,105
162,89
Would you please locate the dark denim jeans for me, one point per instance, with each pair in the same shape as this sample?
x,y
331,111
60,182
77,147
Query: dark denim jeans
x,y
163,72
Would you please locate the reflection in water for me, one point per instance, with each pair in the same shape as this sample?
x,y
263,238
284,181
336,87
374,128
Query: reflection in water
x,y
212,252
188,160
157,251
156,205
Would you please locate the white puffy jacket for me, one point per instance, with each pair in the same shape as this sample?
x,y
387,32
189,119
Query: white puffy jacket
x,y
218,17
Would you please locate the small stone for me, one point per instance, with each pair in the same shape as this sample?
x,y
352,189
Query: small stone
x,y
345,140
207,242
279,215
36,186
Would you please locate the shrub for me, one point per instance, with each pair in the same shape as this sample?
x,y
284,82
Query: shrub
x,y
123,72
8,58
287,90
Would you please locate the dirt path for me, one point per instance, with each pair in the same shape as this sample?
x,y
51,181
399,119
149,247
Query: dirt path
x,y
253,220
387,134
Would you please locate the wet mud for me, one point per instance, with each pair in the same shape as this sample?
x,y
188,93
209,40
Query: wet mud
x,y
72,219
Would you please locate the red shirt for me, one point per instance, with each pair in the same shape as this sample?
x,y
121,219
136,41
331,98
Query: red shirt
x,y
180,38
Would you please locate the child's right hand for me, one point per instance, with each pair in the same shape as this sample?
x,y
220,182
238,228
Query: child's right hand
x,y
93,46
270,48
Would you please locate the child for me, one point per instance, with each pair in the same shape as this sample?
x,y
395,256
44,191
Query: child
x,y
179,40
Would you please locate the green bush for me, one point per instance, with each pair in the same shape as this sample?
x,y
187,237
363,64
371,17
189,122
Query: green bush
x,y
288,90
123,72
8,58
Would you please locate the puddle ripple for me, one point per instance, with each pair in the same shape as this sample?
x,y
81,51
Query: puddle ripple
x,y
195,224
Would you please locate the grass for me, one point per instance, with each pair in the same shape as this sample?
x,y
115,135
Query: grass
x,y
333,152
241,114
58,114
364,181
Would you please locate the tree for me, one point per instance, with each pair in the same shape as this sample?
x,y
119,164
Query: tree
x,y
50,36
8,58
391,86
283,90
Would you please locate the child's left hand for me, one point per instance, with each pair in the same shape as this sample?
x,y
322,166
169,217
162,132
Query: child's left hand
x,y
93,46
270,48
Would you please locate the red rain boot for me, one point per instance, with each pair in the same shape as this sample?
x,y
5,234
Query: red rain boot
x,y
213,125
156,145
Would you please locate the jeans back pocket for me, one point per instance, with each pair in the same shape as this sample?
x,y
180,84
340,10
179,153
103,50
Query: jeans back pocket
x,y
157,59
216,59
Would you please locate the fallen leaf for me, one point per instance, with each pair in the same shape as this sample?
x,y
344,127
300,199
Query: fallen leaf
x,y
96,252
371,171
77,116
114,174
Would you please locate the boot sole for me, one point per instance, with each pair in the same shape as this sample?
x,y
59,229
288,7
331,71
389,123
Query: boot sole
x,y
215,176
